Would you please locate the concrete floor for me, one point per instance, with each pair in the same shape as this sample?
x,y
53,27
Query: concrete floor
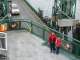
x,y
24,46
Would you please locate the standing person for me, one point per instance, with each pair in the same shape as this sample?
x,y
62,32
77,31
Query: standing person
x,y
51,42
58,44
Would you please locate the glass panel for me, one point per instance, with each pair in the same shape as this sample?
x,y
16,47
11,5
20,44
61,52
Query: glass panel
x,y
46,35
37,30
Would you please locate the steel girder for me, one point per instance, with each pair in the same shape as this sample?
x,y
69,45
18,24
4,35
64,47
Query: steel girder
x,y
3,8
64,8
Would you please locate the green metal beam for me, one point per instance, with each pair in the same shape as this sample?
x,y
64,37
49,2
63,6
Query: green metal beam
x,y
4,7
64,8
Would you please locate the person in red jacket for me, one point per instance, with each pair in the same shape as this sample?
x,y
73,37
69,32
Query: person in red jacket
x,y
58,44
51,42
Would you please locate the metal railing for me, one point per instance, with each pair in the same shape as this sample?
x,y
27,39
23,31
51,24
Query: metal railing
x,y
69,45
3,46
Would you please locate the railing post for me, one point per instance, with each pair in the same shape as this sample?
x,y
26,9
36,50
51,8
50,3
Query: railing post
x,y
44,34
31,27
19,24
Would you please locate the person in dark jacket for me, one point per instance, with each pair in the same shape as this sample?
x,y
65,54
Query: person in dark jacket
x,y
51,42
58,44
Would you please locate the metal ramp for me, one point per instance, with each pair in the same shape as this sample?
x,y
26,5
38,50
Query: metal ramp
x,y
20,27
23,45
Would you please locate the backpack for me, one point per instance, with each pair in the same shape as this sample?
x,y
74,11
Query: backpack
x,y
58,43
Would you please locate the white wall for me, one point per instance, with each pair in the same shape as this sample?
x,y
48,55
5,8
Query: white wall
x,y
77,15
65,22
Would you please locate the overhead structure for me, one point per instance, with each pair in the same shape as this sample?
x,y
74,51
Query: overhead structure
x,y
3,8
64,8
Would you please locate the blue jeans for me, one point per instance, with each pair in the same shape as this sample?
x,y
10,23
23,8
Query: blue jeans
x,y
52,47
57,50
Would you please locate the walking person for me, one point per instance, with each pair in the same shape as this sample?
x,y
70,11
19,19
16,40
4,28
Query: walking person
x,y
58,44
51,42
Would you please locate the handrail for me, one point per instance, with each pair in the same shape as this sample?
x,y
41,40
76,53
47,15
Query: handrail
x,y
29,20
46,27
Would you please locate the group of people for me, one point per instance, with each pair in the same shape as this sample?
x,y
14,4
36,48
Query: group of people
x,y
54,43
